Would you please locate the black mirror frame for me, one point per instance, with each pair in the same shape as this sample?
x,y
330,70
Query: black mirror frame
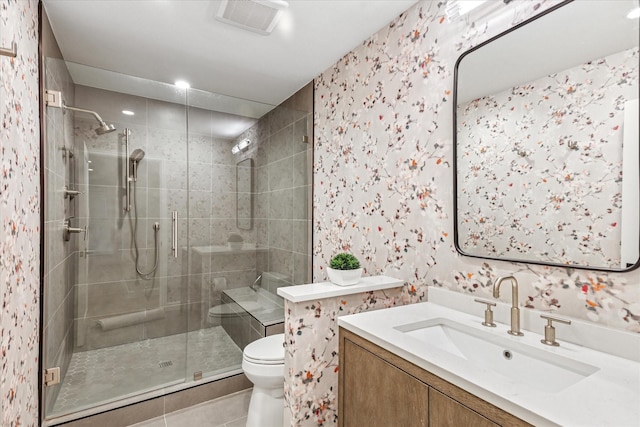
x,y
455,161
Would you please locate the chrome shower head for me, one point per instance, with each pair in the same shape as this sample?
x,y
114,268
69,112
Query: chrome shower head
x,y
105,128
137,155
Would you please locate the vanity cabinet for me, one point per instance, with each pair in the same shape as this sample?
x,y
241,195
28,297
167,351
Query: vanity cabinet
x,y
378,388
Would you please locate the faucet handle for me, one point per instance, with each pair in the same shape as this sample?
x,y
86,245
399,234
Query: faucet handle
x,y
550,331
488,314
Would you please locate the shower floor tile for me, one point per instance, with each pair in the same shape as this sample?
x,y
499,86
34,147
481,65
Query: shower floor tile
x,y
107,374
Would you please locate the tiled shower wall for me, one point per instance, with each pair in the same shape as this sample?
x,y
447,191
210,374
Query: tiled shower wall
x,y
19,215
108,285
383,177
169,178
282,205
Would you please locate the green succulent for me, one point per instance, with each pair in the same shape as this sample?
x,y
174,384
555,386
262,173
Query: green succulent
x,y
344,261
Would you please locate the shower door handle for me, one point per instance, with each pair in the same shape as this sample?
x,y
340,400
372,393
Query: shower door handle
x,y
174,234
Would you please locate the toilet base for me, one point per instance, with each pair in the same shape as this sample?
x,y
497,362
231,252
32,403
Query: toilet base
x,y
266,408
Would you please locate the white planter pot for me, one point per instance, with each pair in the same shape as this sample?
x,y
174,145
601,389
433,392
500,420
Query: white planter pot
x,y
344,277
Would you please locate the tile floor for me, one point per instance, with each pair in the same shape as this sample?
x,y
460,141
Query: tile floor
x,y
227,411
99,376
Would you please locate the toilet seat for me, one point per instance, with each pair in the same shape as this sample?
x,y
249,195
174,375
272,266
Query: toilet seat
x,y
266,351
223,310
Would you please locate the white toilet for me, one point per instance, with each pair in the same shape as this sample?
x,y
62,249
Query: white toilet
x,y
263,364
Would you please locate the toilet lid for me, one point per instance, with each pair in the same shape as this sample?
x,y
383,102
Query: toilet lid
x,y
266,351
224,310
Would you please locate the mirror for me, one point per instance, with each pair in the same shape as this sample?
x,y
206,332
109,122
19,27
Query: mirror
x,y
244,194
546,140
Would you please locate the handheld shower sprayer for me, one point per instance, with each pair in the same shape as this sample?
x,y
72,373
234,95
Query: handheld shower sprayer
x,y
135,158
130,179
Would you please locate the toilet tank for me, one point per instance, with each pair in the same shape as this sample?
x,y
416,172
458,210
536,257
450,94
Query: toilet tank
x,y
272,280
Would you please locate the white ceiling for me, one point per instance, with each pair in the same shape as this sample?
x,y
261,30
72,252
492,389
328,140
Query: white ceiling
x,y
167,40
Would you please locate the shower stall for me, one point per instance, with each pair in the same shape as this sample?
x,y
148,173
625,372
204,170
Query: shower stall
x,y
164,243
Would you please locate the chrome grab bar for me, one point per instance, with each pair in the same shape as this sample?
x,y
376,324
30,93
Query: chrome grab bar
x,y
174,234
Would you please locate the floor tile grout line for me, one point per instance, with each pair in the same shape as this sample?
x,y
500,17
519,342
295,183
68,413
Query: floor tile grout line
x,y
86,371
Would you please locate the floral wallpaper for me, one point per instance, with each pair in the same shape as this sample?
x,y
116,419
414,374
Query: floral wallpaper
x,y
19,214
383,190
553,149
383,170
311,354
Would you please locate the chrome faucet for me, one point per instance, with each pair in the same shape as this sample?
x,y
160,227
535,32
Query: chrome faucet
x,y
515,311
256,283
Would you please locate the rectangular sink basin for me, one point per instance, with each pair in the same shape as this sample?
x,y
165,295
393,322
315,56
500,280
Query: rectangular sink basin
x,y
522,363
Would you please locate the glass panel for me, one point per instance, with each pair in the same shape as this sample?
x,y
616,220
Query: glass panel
x,y
216,264
241,255
60,258
116,295
124,313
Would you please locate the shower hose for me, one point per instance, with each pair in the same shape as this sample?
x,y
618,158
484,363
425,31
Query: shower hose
x,y
156,228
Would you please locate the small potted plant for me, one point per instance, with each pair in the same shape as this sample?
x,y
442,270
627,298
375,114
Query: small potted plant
x,y
344,270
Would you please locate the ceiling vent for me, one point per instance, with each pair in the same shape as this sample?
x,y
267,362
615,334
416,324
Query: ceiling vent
x,y
260,16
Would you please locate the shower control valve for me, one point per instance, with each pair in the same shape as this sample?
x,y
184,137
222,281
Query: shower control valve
x,y
67,230
70,193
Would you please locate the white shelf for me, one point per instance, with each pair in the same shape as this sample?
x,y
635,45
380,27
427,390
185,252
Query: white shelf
x,y
314,291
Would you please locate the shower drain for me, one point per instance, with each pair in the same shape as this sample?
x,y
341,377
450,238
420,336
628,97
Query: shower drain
x,y
166,364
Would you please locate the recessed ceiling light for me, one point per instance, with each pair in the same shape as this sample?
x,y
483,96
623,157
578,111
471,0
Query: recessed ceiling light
x,y
182,84
128,113
634,14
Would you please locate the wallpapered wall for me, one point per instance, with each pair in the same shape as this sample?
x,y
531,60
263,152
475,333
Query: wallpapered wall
x,y
514,149
383,177
382,183
19,214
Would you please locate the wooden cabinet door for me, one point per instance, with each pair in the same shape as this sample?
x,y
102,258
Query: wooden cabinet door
x,y
446,412
378,394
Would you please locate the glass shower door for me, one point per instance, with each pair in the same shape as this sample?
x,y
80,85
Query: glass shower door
x,y
144,296
116,308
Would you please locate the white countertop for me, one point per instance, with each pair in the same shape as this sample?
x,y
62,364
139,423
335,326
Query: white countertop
x,y
608,397
321,290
